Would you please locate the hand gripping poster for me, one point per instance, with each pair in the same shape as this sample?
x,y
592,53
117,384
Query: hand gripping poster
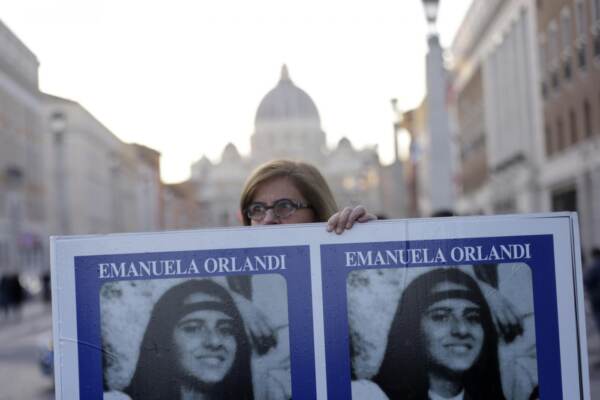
x,y
448,308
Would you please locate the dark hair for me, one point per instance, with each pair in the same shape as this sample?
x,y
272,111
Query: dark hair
x,y
403,374
305,177
156,375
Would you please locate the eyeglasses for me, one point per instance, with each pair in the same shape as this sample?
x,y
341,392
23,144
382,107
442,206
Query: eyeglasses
x,y
282,209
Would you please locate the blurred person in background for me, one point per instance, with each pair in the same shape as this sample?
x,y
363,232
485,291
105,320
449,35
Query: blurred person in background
x,y
12,295
3,297
591,281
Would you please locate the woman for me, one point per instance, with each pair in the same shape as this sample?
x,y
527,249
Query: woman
x,y
293,192
194,347
442,342
287,192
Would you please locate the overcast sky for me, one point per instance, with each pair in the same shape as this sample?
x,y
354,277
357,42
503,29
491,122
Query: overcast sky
x,y
186,77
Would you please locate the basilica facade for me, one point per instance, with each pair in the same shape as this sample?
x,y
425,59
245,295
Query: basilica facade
x,y
288,126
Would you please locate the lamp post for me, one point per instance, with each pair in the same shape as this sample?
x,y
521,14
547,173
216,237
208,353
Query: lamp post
x,y
440,181
397,126
58,128
396,194
13,177
431,12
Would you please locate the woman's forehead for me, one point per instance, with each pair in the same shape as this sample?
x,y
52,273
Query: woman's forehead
x,y
275,189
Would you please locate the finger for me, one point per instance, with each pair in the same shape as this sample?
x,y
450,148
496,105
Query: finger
x,y
332,221
343,220
367,217
355,214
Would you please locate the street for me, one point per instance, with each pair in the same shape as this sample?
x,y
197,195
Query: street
x,y
20,376
594,354
22,379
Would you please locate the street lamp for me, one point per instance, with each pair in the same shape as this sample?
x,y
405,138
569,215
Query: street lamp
x,y
397,126
58,128
14,179
58,125
431,12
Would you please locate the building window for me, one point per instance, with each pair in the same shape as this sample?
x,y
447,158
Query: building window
x,y
573,128
560,142
581,27
549,147
595,25
553,54
543,68
587,118
566,31
580,19
564,199
596,12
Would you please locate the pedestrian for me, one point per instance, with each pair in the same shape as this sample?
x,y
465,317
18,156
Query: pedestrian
x,y
592,284
4,300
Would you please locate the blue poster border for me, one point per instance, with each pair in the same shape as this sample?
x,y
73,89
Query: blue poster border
x,y
335,272
298,280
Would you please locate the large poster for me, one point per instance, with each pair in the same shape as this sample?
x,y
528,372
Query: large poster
x,y
467,308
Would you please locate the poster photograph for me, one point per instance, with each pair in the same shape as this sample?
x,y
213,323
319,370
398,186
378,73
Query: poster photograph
x,y
466,308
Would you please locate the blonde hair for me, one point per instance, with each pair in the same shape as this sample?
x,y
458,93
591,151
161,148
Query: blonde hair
x,y
306,178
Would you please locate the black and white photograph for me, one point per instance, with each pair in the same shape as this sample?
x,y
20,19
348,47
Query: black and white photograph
x,y
429,333
212,338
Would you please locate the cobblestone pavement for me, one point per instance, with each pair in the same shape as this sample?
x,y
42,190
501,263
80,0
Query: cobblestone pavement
x,y
20,343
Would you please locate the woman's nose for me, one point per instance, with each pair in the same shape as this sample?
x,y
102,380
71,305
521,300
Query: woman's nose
x,y
270,218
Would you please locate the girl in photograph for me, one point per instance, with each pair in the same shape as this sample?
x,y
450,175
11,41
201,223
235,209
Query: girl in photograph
x,y
195,347
442,342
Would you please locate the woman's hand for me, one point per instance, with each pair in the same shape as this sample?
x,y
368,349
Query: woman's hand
x,y
259,329
345,219
504,313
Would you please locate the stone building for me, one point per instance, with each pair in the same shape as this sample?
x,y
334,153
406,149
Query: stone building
x,y
526,95
569,82
95,182
22,191
288,125
497,108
